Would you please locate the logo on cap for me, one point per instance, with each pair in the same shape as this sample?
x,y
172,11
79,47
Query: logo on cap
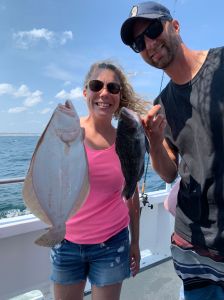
x,y
134,11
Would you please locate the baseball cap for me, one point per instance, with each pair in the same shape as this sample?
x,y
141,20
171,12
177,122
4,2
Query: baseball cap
x,y
144,10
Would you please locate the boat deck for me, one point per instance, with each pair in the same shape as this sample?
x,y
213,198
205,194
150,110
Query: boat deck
x,y
159,282
156,281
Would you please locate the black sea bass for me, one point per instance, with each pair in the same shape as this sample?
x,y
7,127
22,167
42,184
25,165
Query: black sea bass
x,y
131,145
57,182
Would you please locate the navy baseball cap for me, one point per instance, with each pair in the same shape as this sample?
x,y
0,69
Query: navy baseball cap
x,y
145,10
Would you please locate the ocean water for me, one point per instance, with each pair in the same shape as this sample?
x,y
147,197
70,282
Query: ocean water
x,y
15,156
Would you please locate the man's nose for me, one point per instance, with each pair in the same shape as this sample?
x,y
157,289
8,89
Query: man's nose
x,y
149,43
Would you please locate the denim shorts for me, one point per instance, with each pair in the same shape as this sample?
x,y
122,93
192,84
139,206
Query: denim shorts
x,y
103,264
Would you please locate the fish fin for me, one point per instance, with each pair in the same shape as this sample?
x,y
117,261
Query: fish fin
x,y
68,108
31,200
69,104
125,199
52,237
147,145
128,192
83,134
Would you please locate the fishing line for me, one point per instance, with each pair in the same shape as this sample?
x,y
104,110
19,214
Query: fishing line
x,y
144,196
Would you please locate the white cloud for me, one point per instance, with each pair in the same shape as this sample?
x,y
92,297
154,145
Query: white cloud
x,y
38,34
45,110
73,94
15,110
27,39
23,91
6,88
62,95
76,93
33,98
65,36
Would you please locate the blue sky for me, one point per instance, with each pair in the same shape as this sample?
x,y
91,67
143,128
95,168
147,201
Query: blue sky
x,y
47,47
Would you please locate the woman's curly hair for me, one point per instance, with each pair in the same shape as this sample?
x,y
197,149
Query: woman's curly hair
x,y
128,98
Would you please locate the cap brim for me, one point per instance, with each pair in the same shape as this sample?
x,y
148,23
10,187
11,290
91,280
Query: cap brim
x,y
127,26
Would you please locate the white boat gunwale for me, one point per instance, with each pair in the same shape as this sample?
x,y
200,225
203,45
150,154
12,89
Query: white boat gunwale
x,y
19,254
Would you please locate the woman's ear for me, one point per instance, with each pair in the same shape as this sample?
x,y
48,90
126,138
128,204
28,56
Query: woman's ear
x,y
84,92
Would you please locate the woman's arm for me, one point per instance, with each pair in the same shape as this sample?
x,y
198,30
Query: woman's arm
x,y
134,213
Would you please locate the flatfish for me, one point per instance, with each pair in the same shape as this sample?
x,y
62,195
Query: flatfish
x,y
57,182
131,145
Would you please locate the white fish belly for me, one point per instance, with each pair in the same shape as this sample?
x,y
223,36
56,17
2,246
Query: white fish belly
x,y
57,182
59,170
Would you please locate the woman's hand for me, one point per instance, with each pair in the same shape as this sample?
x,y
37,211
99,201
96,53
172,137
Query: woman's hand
x,y
134,259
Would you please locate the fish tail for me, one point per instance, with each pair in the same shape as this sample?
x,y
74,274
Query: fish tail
x,y
52,237
128,192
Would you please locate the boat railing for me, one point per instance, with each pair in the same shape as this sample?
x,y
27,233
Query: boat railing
x,y
26,267
21,180
12,180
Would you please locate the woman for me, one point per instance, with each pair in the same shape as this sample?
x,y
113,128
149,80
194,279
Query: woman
x,y
96,244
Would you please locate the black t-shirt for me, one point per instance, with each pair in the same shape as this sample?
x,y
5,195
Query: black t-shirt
x,y
195,117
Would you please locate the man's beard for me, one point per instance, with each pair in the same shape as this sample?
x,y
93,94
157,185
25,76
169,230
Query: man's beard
x,y
170,48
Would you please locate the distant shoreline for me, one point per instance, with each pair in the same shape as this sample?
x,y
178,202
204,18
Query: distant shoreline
x,y
18,134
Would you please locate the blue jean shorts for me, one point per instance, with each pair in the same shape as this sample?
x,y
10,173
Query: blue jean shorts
x,y
103,264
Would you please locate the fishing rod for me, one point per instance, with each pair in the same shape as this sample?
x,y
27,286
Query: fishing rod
x,y
143,196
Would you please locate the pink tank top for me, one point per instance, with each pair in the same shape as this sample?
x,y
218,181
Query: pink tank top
x,y
104,212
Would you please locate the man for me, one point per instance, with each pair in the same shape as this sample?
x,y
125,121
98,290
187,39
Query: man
x,y
190,113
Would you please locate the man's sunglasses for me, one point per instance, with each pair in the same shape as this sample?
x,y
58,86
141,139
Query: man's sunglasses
x,y
97,85
154,30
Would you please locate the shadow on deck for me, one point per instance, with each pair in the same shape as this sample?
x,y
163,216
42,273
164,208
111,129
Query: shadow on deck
x,y
156,283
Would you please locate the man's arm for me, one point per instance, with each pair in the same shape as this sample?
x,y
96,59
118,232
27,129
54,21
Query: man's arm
x,y
164,159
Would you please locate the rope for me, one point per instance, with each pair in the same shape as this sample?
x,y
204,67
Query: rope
x,y
144,195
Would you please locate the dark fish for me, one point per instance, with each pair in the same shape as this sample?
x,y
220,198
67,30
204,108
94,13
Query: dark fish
x,y
131,145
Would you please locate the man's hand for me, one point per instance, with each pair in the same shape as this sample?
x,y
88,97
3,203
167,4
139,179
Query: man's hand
x,y
154,125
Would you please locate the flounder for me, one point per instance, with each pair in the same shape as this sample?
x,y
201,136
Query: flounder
x,y
131,145
57,182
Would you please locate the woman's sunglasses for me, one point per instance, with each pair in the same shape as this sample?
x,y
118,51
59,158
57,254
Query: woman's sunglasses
x,y
154,30
97,85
